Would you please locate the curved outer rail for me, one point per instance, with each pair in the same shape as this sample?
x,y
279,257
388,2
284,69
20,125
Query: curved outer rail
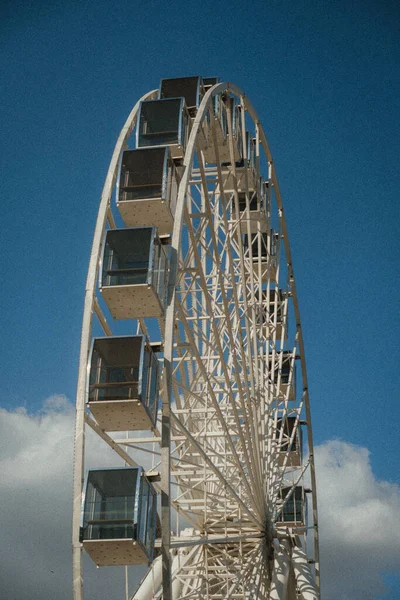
x,y
85,345
89,304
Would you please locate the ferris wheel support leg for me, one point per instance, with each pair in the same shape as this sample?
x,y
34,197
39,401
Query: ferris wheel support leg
x,y
166,469
77,580
79,448
281,571
151,582
304,577
178,562
165,504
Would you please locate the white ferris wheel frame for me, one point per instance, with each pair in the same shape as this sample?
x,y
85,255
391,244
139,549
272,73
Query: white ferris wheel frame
x,y
287,554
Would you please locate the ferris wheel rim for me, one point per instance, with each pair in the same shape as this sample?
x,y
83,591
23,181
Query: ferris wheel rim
x,y
90,300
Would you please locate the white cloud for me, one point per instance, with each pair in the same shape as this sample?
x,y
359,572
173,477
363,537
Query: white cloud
x,y
358,514
36,500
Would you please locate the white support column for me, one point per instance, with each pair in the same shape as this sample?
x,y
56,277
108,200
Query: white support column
x,y
304,577
280,574
179,561
151,583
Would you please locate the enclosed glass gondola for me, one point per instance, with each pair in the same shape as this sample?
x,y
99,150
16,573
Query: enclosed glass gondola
x,y
252,210
164,123
123,383
290,441
276,312
262,248
192,90
284,376
270,313
133,273
209,82
189,88
232,106
217,121
245,177
118,517
148,187
293,513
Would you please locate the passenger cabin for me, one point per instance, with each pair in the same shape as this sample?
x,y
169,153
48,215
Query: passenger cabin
x,y
293,513
123,383
118,519
217,121
189,88
285,375
270,313
164,123
252,213
192,90
133,273
148,188
245,169
276,312
237,141
209,82
287,431
261,249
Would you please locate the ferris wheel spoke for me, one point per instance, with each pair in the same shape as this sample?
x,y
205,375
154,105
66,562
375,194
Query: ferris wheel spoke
x,y
231,240
215,403
254,561
279,411
217,472
236,366
225,309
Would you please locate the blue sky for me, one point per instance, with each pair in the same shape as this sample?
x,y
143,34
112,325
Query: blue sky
x,y
325,80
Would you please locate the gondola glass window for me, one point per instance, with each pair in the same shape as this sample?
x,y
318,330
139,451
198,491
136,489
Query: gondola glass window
x,y
123,383
127,257
144,174
286,367
265,244
148,188
119,504
293,510
218,112
147,526
264,250
209,82
164,122
134,272
285,374
292,454
190,88
236,129
254,202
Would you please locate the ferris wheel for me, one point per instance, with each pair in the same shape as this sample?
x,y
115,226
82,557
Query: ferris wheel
x,y
192,355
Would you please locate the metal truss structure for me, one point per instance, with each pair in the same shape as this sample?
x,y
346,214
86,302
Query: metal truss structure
x,y
232,448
